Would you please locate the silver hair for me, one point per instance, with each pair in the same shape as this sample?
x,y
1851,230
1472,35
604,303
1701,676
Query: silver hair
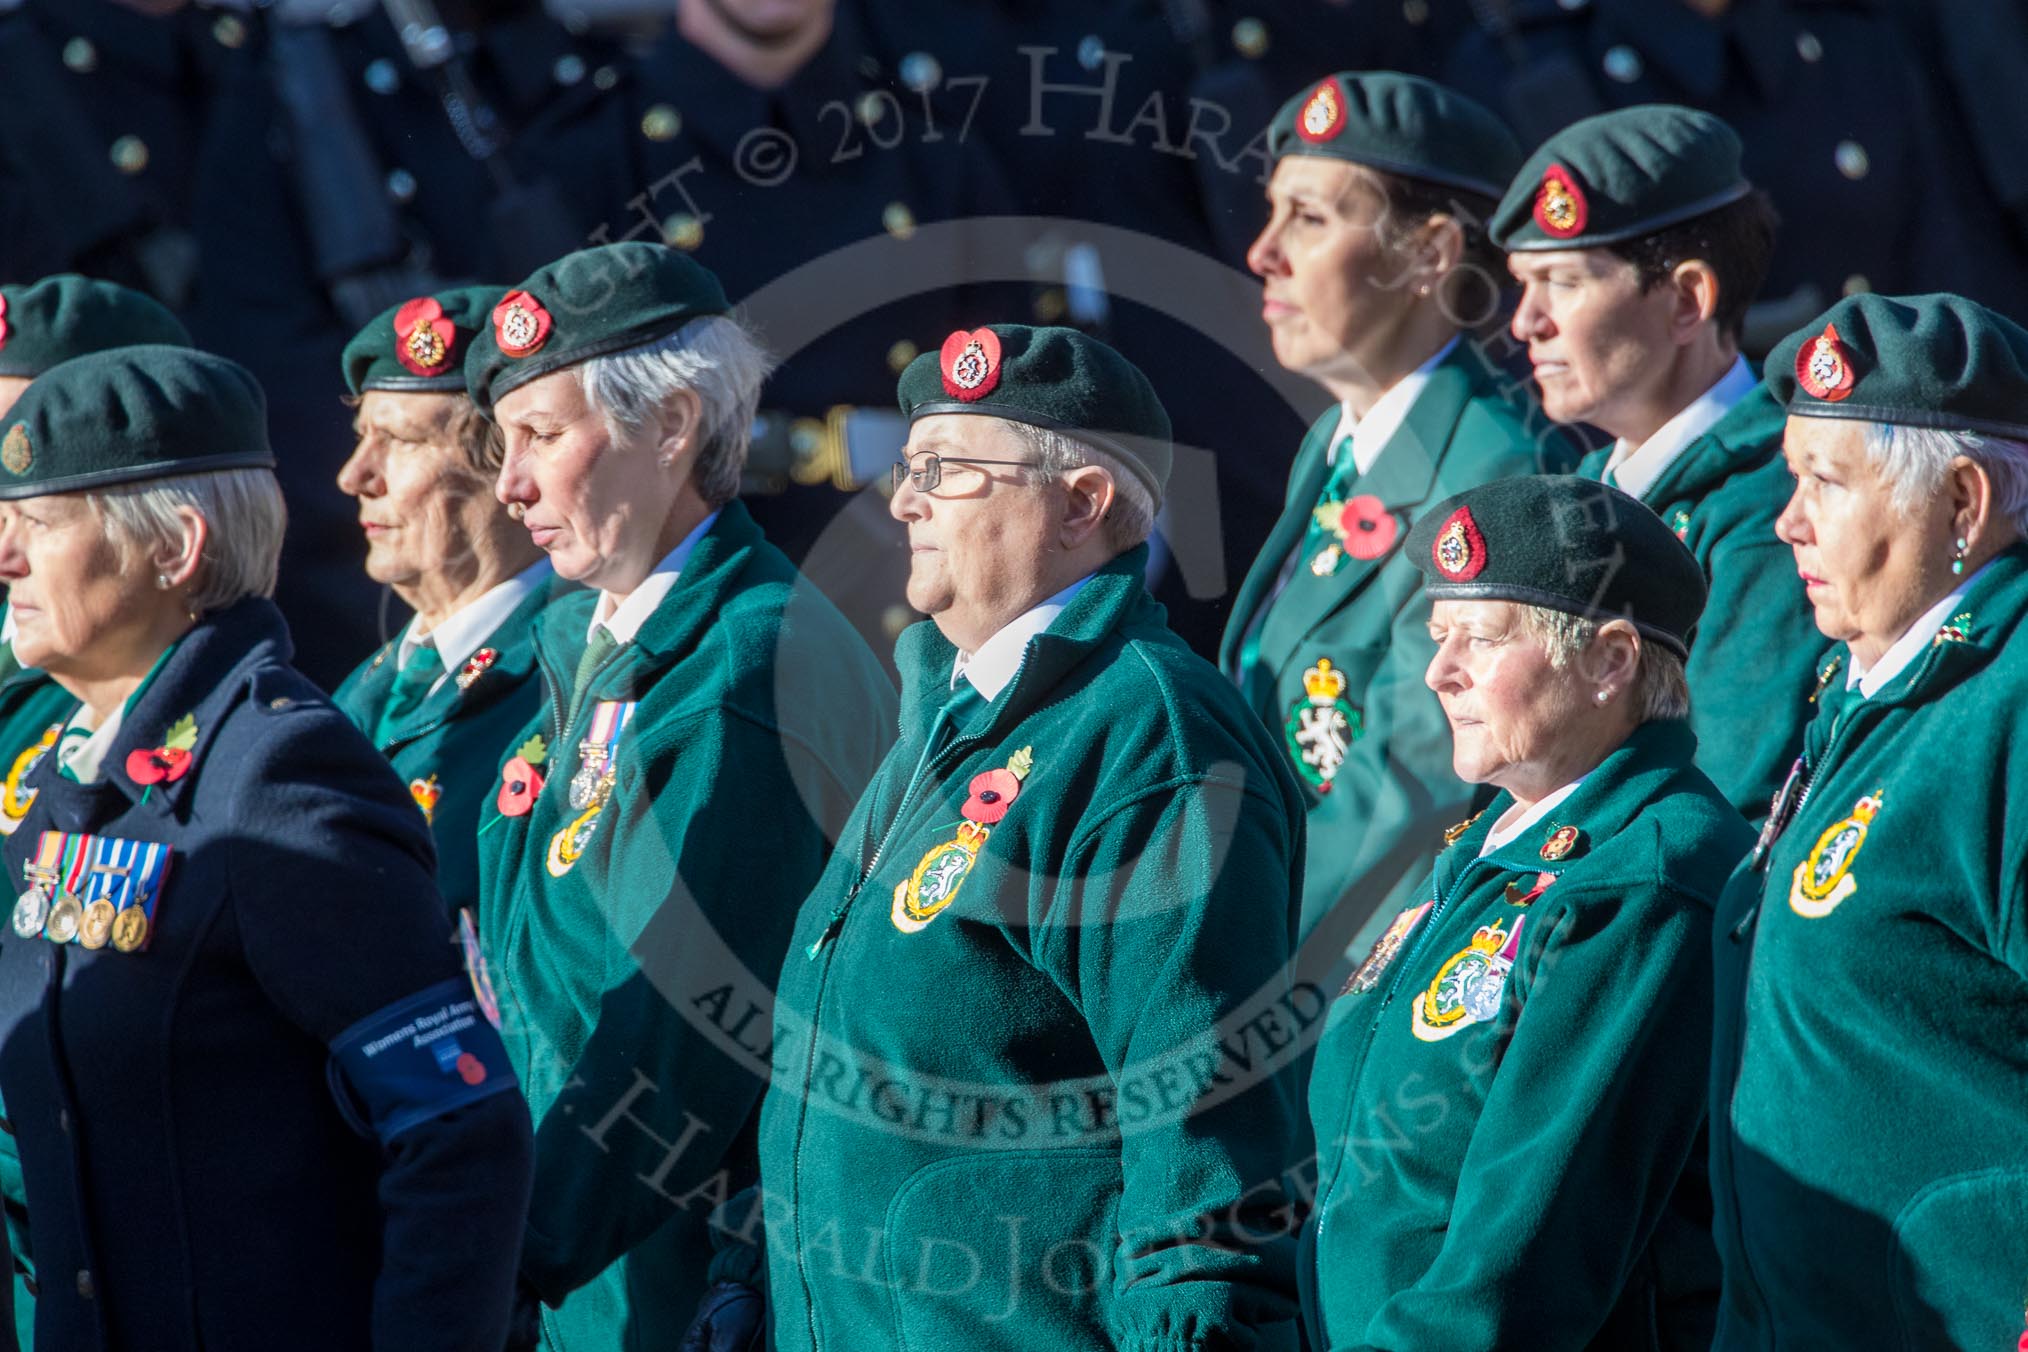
x,y
1131,518
1661,690
1913,461
720,360
244,514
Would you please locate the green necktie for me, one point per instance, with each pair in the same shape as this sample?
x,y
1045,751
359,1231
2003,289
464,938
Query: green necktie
x,y
601,646
411,687
965,701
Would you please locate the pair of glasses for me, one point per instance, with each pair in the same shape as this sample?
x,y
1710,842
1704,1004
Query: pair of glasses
x,y
926,471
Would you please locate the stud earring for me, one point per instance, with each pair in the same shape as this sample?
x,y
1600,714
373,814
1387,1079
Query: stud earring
x,y
1603,695
1958,559
161,582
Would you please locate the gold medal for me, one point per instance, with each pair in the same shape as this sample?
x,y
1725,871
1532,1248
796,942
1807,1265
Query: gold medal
x,y
130,929
96,930
31,912
64,918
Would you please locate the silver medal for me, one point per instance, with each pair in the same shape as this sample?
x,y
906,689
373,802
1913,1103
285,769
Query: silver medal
x,y
31,912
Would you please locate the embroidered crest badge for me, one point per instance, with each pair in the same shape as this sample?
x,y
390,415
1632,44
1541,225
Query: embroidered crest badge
x,y
1824,879
17,455
928,891
1824,366
1468,987
423,338
520,324
970,363
1459,551
1323,115
1560,208
1322,725
14,799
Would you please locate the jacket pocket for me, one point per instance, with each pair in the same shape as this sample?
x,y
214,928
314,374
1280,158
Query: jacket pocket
x,y
1005,1250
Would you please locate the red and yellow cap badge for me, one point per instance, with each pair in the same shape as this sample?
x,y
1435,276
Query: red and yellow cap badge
x,y
1560,208
1824,366
1459,551
424,340
1323,115
520,324
971,364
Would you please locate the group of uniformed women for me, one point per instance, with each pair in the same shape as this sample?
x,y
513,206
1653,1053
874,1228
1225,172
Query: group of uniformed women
x,y
1602,1069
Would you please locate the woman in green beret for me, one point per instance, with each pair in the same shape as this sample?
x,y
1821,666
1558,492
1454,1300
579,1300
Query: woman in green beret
x,y
708,721
1869,1101
1377,276
1508,1098
460,677
257,1100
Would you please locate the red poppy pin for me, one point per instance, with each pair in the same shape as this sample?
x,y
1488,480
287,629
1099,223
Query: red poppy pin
x,y
1517,895
1459,551
520,779
167,762
423,338
1560,208
520,324
3,321
1323,114
994,791
471,1069
971,364
1367,527
1824,366
475,667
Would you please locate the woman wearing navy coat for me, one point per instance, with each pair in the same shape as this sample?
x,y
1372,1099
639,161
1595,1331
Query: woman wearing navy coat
x,y
258,1099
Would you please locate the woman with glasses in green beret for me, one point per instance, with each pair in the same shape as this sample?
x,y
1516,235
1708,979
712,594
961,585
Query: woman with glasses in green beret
x,y
1869,1101
1377,277
257,1099
1508,1098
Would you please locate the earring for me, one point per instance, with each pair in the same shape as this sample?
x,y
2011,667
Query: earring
x,y
161,582
1603,695
1958,559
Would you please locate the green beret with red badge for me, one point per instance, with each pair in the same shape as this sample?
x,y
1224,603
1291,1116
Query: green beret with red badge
x,y
1058,379
48,322
1399,124
422,343
1620,176
1562,542
587,304
1936,361
129,415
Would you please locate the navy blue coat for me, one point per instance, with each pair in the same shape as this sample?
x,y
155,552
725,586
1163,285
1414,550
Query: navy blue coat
x,y
192,1180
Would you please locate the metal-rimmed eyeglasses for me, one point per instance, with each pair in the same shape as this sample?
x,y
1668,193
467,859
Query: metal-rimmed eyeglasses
x,y
926,470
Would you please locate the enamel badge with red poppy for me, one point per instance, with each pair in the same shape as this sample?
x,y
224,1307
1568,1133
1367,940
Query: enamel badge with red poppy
x,y
933,886
1323,114
520,324
476,666
423,339
1459,551
1824,366
1367,527
168,762
971,364
1560,208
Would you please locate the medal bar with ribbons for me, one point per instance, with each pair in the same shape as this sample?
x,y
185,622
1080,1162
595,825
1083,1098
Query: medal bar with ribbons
x,y
595,752
92,890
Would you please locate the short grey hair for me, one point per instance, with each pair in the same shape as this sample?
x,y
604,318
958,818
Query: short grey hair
x,y
242,509
1913,461
1131,518
718,358
1661,690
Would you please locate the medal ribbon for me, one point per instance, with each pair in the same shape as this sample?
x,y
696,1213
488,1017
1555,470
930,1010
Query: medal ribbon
x,y
43,868
609,719
101,881
150,871
77,854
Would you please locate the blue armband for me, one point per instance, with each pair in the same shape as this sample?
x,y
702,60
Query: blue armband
x,y
417,1059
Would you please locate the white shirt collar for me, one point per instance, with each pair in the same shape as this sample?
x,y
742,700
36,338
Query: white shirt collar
x,y
1511,827
82,755
1872,680
624,620
1371,433
993,666
1635,469
459,636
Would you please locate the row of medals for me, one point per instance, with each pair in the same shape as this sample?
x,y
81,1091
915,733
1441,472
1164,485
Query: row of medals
x,y
67,919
